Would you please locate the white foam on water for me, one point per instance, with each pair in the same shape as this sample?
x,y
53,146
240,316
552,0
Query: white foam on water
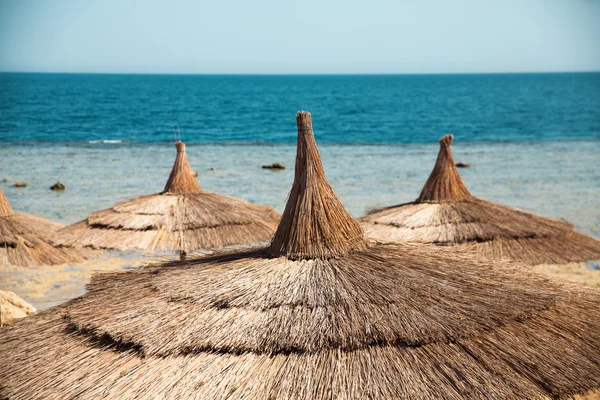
x,y
109,141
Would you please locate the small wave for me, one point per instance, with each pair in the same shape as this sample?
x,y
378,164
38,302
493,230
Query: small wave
x,y
105,141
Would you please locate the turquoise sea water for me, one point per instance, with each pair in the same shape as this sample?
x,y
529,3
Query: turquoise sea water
x,y
346,109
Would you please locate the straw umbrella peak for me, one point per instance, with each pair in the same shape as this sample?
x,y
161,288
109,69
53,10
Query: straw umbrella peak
x,y
444,183
314,224
181,180
5,208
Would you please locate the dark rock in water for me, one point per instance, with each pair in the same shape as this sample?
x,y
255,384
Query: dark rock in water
x,y
195,174
4,180
462,165
20,184
58,186
211,169
274,166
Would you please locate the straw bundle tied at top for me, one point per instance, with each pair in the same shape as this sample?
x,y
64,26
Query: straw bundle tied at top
x,y
445,213
5,208
314,224
181,180
444,183
318,314
25,240
180,218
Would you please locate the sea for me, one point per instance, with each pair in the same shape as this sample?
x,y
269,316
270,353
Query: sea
x,y
532,140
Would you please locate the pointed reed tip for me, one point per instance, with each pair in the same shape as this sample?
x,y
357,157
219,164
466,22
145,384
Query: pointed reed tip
x,y
304,121
315,223
182,179
444,182
180,146
446,139
5,208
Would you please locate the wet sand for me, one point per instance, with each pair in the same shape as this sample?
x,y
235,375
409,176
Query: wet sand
x,y
48,286
585,273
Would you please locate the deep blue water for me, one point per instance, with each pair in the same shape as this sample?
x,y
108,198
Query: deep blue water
x,y
366,109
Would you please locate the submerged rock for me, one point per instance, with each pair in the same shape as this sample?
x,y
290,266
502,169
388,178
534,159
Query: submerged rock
x,y
195,174
58,186
20,184
4,180
274,166
13,307
462,165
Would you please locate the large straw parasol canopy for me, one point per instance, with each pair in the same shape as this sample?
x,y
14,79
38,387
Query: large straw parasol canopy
x,y
446,214
181,218
318,314
25,240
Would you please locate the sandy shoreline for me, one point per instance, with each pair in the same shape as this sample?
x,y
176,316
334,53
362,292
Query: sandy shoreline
x,y
48,286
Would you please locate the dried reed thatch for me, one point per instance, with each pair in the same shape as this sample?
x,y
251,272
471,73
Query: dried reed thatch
x,y
13,307
319,314
445,213
25,240
182,218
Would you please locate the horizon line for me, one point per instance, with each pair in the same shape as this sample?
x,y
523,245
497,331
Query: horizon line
x,y
298,74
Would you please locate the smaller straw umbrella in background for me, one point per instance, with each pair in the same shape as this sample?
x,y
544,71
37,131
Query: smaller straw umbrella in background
x,y
446,214
181,218
320,313
25,241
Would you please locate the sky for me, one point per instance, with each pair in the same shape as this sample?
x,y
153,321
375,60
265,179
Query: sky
x,y
306,37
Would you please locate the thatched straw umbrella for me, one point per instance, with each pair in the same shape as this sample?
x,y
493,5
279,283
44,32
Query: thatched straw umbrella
x,y
25,240
319,314
181,218
446,214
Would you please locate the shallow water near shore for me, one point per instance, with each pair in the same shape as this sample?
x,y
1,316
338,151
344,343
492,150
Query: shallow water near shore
x,y
558,179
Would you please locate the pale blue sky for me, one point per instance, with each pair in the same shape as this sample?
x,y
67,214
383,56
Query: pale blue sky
x,y
309,36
